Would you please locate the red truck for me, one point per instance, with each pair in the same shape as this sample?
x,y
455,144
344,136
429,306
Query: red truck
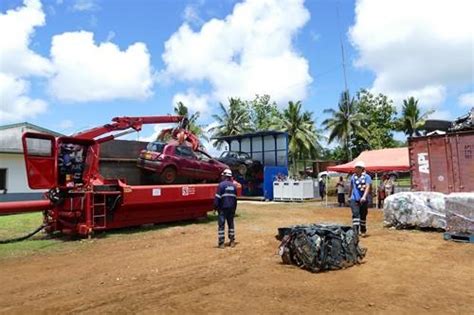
x,y
80,200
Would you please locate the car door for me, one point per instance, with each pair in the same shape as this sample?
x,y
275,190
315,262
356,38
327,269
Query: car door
x,y
187,161
207,166
40,159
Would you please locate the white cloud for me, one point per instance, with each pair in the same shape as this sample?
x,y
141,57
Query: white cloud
x,y
466,100
156,131
249,52
85,71
18,62
194,102
18,27
418,48
85,5
14,104
441,115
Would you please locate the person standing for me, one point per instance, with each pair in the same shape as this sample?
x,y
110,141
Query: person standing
x,y
381,191
340,186
322,187
225,202
359,191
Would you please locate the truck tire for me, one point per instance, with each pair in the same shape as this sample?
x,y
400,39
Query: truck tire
x,y
168,176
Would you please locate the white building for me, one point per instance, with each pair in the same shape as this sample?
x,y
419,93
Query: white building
x,y
13,182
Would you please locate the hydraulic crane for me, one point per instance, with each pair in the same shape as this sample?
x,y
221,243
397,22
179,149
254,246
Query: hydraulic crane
x,y
81,201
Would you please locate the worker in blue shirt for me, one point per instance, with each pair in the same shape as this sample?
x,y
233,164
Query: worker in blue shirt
x,y
225,203
359,191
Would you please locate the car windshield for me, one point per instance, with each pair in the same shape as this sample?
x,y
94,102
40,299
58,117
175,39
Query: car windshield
x,y
202,156
229,154
244,156
155,147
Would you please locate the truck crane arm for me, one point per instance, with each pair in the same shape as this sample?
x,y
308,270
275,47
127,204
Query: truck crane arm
x,y
124,123
179,133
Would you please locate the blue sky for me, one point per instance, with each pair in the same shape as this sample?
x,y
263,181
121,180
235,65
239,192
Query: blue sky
x,y
214,51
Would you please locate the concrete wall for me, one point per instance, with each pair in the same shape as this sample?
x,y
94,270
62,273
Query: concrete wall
x,y
16,172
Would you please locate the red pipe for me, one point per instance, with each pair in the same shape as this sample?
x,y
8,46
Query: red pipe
x,y
13,207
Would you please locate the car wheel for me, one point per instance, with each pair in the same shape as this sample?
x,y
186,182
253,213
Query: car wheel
x,y
168,176
242,169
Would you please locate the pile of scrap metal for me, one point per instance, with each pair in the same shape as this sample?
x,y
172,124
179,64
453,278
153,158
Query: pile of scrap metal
x,y
465,122
318,247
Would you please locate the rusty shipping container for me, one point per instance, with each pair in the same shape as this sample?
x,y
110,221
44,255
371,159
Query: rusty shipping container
x,y
442,163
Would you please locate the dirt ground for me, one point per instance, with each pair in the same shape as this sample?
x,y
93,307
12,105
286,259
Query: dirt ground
x,y
178,270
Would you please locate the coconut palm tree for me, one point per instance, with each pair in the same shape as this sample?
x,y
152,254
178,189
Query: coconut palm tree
x,y
193,126
411,119
302,134
182,110
345,122
231,120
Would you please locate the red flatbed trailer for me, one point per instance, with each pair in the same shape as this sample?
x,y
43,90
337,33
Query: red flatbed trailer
x,y
89,202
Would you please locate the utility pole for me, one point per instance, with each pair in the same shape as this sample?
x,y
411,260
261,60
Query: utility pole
x,y
342,47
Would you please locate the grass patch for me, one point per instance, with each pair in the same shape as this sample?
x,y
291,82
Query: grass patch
x,y
12,226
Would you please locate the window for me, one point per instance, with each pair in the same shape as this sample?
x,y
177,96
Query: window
x,y
3,178
203,156
184,151
244,156
39,147
155,147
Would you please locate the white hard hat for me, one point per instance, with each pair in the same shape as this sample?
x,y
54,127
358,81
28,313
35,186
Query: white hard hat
x,y
227,172
360,164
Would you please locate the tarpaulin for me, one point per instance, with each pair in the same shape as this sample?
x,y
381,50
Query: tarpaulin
x,y
384,160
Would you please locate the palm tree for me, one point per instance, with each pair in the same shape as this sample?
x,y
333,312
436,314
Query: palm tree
x,y
231,121
182,110
302,134
411,119
345,123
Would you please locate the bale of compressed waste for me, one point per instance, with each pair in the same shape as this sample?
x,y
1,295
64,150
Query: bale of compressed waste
x,y
415,210
318,247
460,213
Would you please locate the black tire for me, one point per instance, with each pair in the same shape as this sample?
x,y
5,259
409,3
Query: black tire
x,y
242,169
168,176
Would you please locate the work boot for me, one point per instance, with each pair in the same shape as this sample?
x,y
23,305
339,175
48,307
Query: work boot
x,y
232,243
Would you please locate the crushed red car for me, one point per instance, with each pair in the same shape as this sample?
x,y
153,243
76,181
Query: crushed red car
x,y
173,162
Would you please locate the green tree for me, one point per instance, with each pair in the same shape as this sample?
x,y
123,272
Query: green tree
x,y
263,113
379,121
411,119
345,123
193,126
302,134
232,120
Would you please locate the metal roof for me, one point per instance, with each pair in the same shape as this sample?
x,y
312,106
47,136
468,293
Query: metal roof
x,y
251,135
31,126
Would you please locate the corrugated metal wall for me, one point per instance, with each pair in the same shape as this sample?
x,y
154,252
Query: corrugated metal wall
x,y
443,163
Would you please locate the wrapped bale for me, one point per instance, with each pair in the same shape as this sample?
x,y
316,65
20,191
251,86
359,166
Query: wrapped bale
x,y
460,213
320,247
415,210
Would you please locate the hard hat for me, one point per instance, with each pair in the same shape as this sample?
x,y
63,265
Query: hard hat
x,y
360,164
227,172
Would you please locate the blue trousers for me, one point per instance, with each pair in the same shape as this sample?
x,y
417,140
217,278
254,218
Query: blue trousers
x,y
359,216
226,215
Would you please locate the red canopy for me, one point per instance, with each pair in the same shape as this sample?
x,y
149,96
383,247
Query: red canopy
x,y
384,160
